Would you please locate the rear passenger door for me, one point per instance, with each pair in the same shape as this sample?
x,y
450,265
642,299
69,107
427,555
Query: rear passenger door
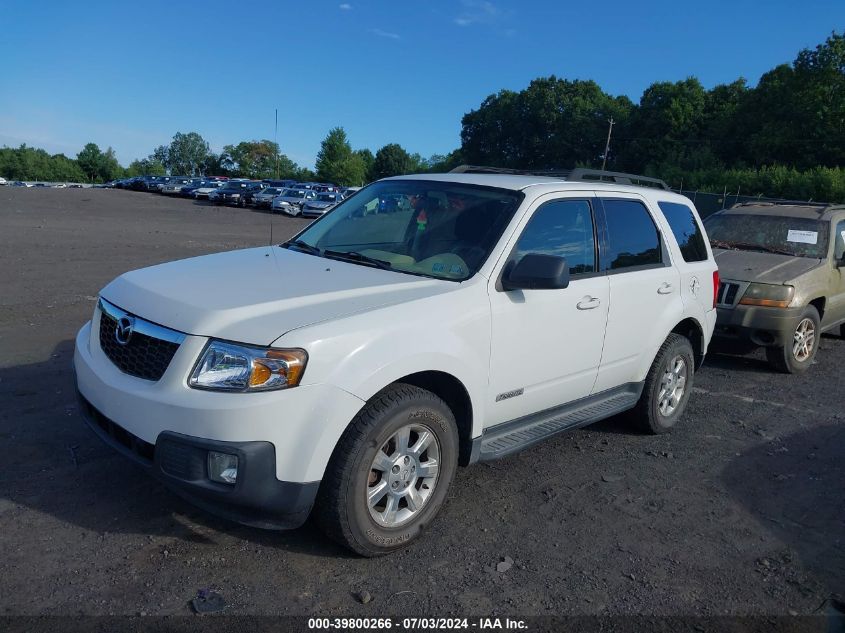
x,y
645,298
692,257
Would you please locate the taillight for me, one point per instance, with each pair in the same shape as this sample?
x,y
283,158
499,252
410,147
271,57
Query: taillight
x,y
716,282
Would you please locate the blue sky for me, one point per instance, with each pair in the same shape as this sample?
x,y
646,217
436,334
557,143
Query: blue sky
x,y
130,74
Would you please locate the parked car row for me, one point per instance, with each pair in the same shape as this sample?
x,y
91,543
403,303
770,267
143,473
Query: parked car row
x,y
309,199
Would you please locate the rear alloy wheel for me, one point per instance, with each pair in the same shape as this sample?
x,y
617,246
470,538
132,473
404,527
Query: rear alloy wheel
x,y
798,354
390,471
667,386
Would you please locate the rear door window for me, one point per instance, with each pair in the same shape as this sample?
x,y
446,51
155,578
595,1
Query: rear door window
x,y
633,240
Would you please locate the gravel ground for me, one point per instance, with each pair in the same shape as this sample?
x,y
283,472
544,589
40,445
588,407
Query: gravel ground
x,y
740,511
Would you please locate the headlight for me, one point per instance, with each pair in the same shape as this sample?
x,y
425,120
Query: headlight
x,y
230,367
769,295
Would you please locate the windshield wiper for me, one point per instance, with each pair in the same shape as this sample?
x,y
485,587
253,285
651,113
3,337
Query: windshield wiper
x,y
747,246
358,257
305,246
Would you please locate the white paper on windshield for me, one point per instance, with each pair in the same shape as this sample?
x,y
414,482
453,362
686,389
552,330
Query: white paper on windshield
x,y
842,233
803,237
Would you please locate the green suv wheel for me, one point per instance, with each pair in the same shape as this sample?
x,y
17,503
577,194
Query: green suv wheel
x,y
798,354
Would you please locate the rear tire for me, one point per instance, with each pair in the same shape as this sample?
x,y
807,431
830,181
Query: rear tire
x,y
667,386
797,355
390,472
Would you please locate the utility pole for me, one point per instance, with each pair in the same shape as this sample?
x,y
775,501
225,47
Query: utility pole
x,y
607,144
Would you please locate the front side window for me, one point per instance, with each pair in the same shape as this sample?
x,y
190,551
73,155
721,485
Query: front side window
x,y
431,228
686,230
632,238
561,228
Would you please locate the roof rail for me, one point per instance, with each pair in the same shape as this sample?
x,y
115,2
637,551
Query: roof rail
x,y
599,175
579,173
821,206
479,169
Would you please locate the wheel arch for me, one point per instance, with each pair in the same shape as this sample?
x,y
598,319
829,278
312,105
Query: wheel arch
x,y
691,329
819,304
453,392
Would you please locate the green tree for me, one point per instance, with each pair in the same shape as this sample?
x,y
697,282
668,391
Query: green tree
x,y
667,128
90,161
257,159
367,159
187,154
552,123
149,166
337,163
392,160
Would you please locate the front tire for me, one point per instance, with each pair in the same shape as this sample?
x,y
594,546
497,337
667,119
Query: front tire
x,y
667,386
390,472
797,355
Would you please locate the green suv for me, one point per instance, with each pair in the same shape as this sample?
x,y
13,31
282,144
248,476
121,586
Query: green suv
x,y
782,269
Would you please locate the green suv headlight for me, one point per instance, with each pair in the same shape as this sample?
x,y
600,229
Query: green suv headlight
x,y
768,295
230,367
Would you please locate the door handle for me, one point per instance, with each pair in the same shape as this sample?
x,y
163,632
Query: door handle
x,y
665,289
588,303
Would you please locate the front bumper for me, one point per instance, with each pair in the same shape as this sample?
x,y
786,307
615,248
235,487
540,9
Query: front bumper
x,y
179,461
770,327
286,437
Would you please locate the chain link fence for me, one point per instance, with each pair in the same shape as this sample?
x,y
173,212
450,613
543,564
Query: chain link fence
x,y
708,203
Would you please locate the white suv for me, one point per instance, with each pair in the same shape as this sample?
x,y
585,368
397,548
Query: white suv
x,y
426,322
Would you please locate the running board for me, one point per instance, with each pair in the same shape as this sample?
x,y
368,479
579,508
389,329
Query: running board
x,y
509,437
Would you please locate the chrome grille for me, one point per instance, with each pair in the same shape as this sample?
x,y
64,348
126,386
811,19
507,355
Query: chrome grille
x,y
149,349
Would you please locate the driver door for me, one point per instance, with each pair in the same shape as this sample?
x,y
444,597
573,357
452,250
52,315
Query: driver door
x,y
547,344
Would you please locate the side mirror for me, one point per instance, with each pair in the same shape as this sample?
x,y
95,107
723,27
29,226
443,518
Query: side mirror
x,y
537,272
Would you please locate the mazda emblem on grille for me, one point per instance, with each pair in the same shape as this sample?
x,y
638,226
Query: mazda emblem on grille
x,y
123,331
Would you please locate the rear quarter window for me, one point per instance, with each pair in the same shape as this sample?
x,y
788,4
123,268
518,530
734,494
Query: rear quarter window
x,y
686,230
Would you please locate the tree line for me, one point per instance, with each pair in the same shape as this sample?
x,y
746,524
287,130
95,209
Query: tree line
x,y
784,137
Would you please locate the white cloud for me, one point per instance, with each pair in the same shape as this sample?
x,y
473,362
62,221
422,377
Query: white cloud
x,y
345,6
478,12
380,33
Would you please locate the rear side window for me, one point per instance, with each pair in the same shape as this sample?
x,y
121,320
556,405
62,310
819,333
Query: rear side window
x,y
561,228
632,238
686,230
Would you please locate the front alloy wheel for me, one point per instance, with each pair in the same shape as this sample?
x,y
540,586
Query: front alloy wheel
x,y
403,475
796,355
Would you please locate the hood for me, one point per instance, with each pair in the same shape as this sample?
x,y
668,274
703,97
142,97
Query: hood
x,y
258,294
767,268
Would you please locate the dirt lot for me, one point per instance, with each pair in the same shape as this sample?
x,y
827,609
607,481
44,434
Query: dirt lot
x,y
740,511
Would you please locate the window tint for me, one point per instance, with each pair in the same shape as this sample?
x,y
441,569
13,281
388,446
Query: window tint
x,y
632,238
561,228
686,230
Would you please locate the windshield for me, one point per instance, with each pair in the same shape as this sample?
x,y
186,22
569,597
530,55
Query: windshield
x,y
294,193
272,191
801,237
327,197
435,229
